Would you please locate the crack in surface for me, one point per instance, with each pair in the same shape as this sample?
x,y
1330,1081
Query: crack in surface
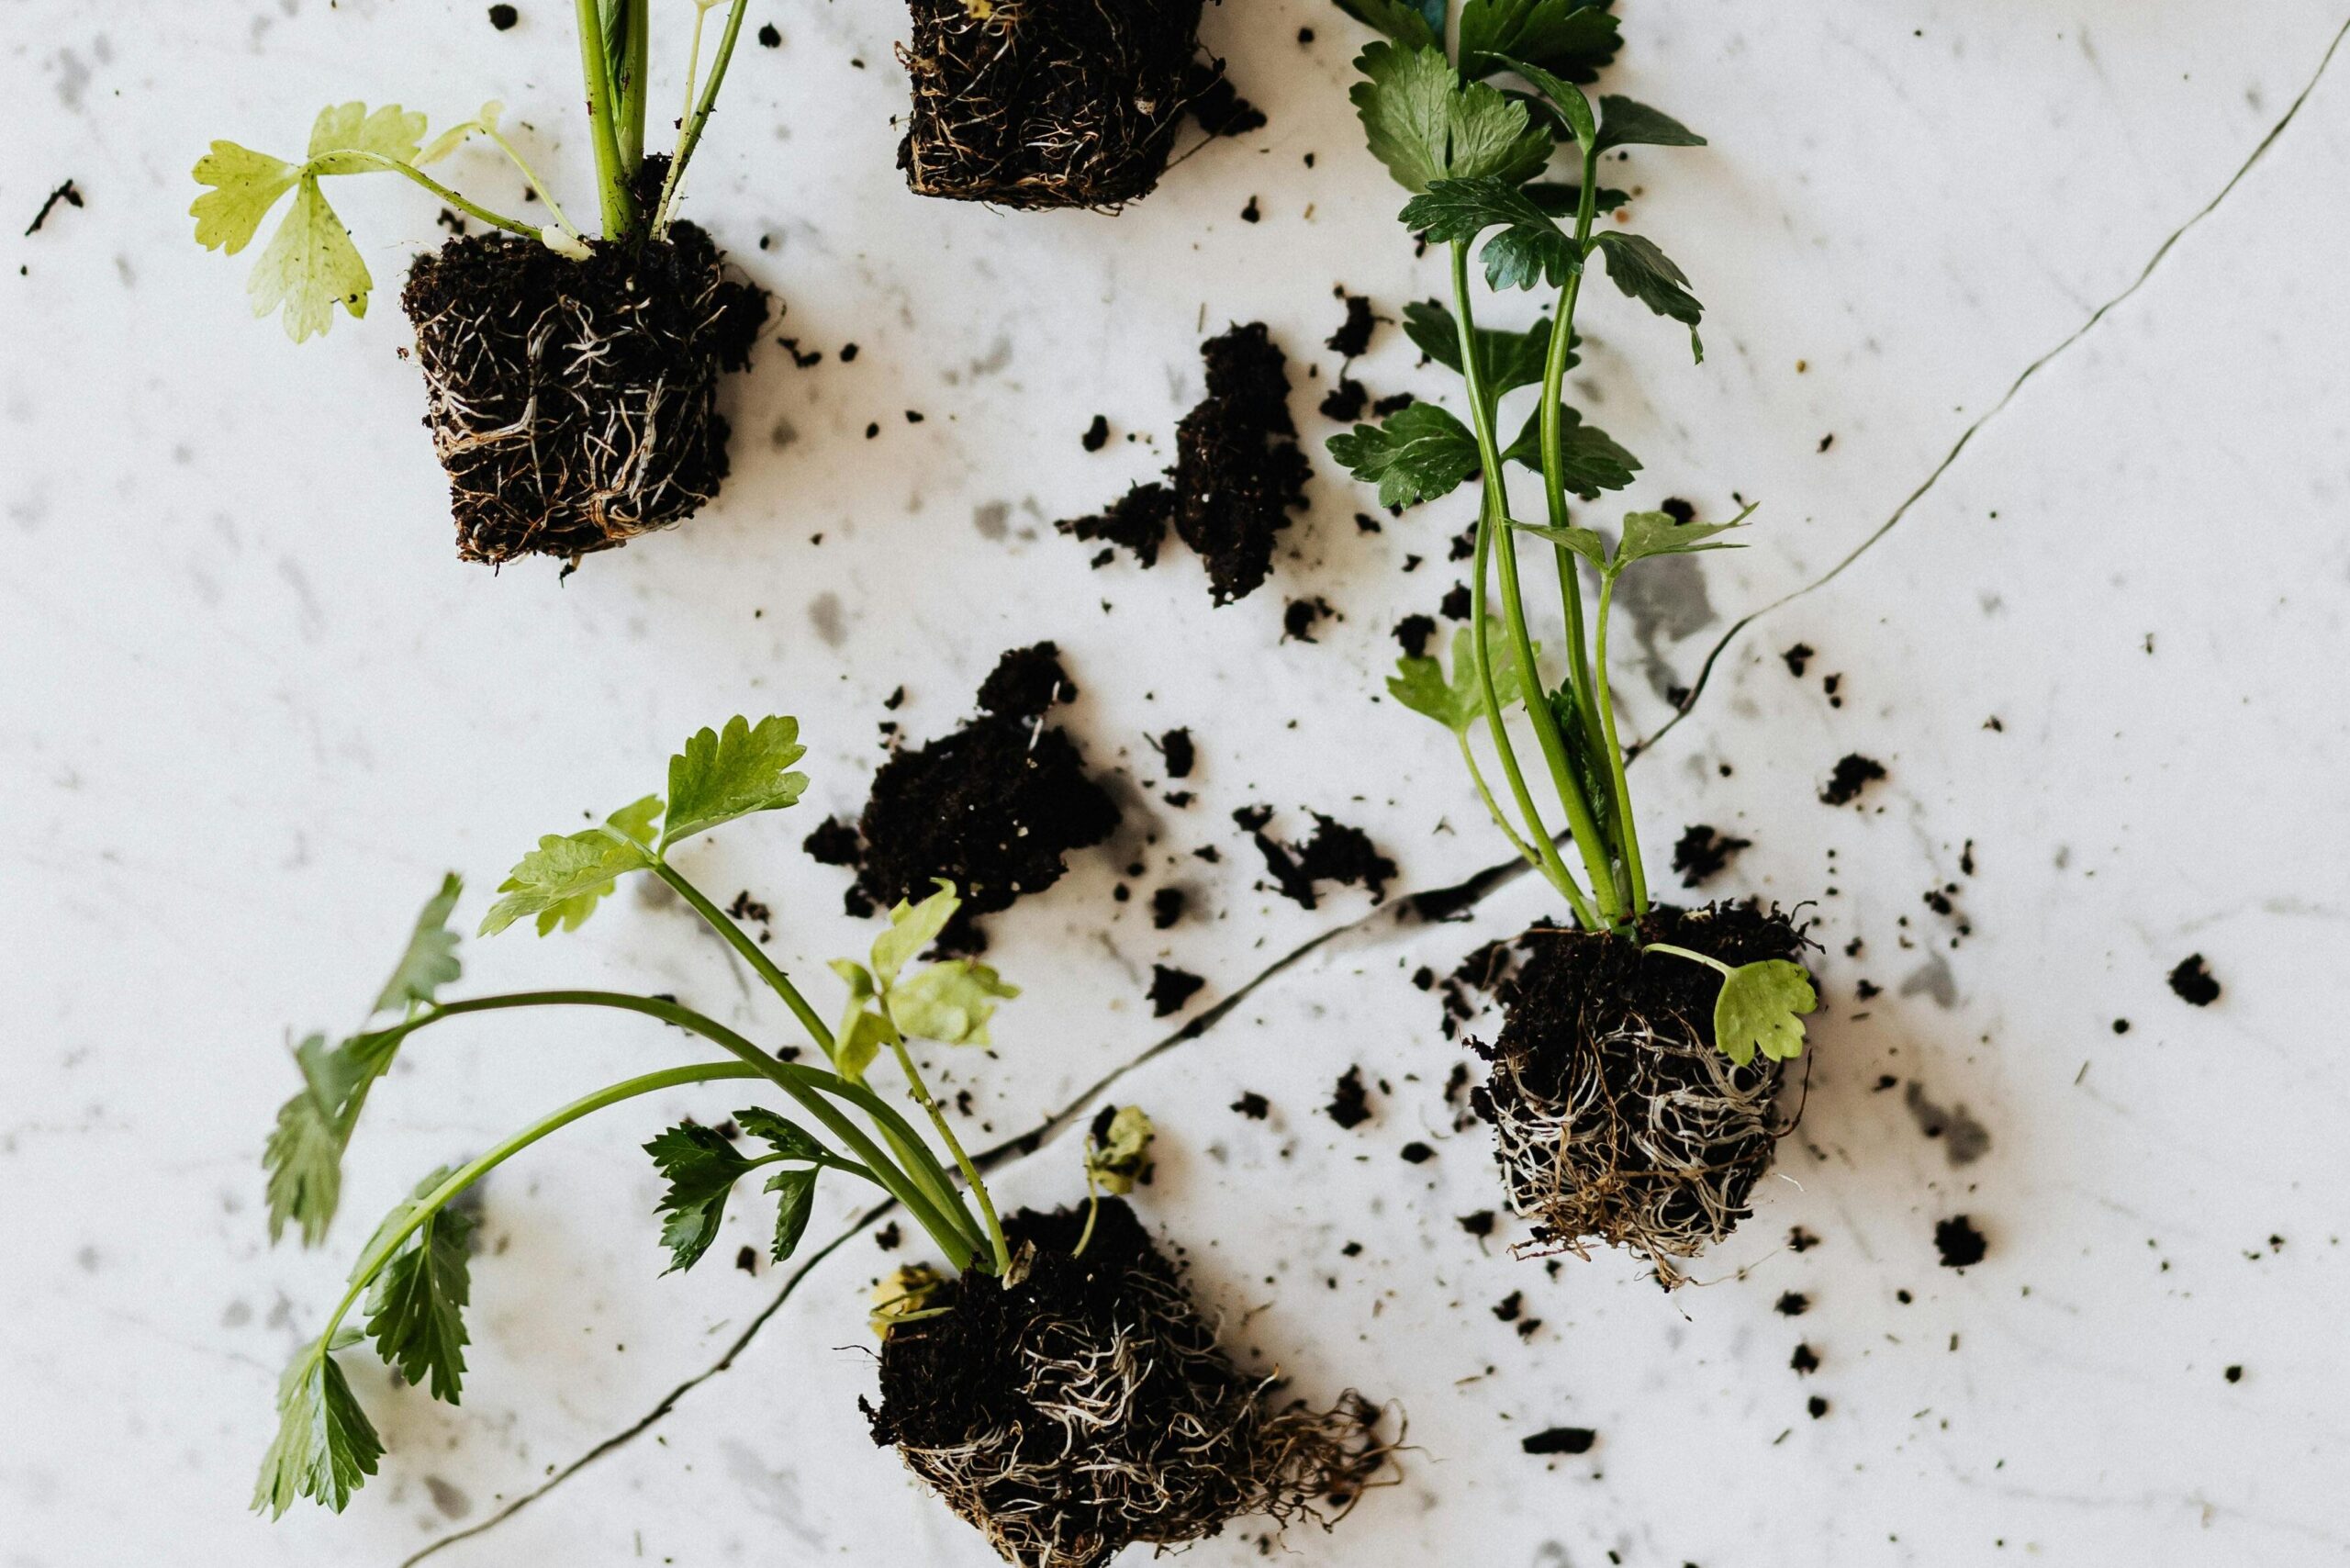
x,y
1430,906
1950,457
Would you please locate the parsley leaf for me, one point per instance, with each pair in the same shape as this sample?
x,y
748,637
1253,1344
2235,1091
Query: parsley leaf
x,y
311,267
1399,20
1457,700
1647,533
244,186
431,961
1589,459
719,777
701,1167
1421,453
1646,273
1572,109
304,1155
1529,247
1585,542
863,1032
1762,1007
416,1307
1426,124
949,1002
1625,123
565,877
389,132
912,928
1573,37
325,1446
1116,1162
796,1200
1511,359
1562,200
787,1138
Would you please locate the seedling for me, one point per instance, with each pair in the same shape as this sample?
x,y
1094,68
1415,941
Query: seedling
x,y
1476,158
572,377
408,1292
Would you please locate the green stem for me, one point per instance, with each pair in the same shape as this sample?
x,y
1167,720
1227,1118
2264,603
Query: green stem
x,y
1093,1213
763,966
1579,822
1484,793
690,133
1692,957
555,207
632,92
611,174
1554,373
377,161
829,1161
1626,827
955,1147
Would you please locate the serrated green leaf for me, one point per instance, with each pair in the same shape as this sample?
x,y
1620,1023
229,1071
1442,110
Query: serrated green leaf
x,y
1624,123
1585,542
563,880
949,1002
245,186
1421,453
1426,124
912,928
1573,37
1561,200
795,1201
1403,23
309,267
721,776
1646,273
1457,700
1529,247
1117,1161
416,1306
1762,1008
701,1167
325,1447
1589,459
1564,96
1511,359
638,819
449,140
1586,753
785,1137
431,961
304,1155
390,131
1647,533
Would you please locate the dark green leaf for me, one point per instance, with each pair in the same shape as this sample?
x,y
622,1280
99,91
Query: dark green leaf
x,y
1573,108
325,1448
1421,453
722,775
1531,247
1560,200
416,1307
1648,274
1573,38
1458,699
1586,759
787,1138
701,1167
304,1155
1624,123
430,961
1647,533
1589,460
1426,124
1511,359
1407,24
796,1199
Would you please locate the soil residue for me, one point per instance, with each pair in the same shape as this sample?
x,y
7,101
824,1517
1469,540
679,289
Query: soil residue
x,y
1170,989
1853,773
1960,1244
1350,1104
1703,853
1336,853
2191,982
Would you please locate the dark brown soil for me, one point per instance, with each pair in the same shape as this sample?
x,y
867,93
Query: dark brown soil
x,y
574,404
1238,471
1170,989
1088,1407
1136,521
1049,103
992,807
2191,982
1336,853
1350,1104
1853,773
1961,1245
1703,853
1616,1119
1562,1440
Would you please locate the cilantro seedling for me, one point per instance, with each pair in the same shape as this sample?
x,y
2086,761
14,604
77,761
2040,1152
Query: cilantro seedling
x,y
310,266
413,1275
1473,156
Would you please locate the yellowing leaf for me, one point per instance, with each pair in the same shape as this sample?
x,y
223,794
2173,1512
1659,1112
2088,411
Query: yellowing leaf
x,y
912,928
245,186
1761,1008
950,1002
311,267
449,140
389,132
1116,1154
910,1289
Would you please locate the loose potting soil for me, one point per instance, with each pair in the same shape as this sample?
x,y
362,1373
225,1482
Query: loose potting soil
x,y
574,404
1088,1407
1615,1120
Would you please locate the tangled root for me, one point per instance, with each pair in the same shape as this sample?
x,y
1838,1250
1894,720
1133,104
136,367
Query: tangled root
x,y
1088,1407
1614,1119
1047,103
574,404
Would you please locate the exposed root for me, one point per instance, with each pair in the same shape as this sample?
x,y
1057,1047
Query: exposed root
x,y
574,404
1088,1407
1614,1119
1047,103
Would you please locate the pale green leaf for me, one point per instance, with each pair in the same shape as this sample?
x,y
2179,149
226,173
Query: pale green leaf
x,y
562,880
1762,1008
1117,1153
245,186
723,775
1647,533
325,1448
389,132
1457,700
304,1155
1646,273
1422,453
1584,541
796,1200
638,819
912,928
309,267
949,1002
1624,123
431,961
861,1038
416,1307
1589,459
449,140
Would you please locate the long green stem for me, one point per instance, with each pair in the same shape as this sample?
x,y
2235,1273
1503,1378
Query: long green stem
x,y
632,92
761,965
555,207
1485,793
611,174
377,161
1554,372
1494,522
1624,823
690,133
955,1147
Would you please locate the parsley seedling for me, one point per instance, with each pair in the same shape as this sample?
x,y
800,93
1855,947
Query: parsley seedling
x,y
1473,155
413,1274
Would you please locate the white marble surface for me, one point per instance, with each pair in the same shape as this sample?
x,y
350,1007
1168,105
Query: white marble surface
x,y
250,706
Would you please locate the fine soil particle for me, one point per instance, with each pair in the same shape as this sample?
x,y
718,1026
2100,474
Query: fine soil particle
x,y
1048,103
1253,1105
1353,336
1170,989
1088,1406
574,405
1806,1360
1167,907
1413,634
1614,1118
1456,603
1135,522
1350,1104
747,1259
1816,1406
1792,1304
1336,853
1416,1153
1853,773
768,37
1298,619
2192,982
1344,401
1560,1440
1959,1242
503,18
1216,104
1797,657
1097,434
1478,1224
1704,852
67,193
835,843
991,807
1238,471
1176,749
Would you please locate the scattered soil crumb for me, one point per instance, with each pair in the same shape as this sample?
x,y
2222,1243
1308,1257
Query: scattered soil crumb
x,y
1170,989
1509,1308
1702,853
503,18
1344,401
66,193
1136,523
1416,1153
1816,1406
1806,1360
1965,1140
1238,469
1853,773
1253,1105
1478,1224
1794,1303
1350,1101
1176,747
1353,336
1413,632
1560,1440
2192,982
1455,606
1959,1242
1336,853
1801,1240
1097,434
1798,656
1299,618
747,1259
1166,908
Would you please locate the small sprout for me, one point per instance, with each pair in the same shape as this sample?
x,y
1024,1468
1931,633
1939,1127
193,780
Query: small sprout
x,y
1762,1005
1115,1155
907,1294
